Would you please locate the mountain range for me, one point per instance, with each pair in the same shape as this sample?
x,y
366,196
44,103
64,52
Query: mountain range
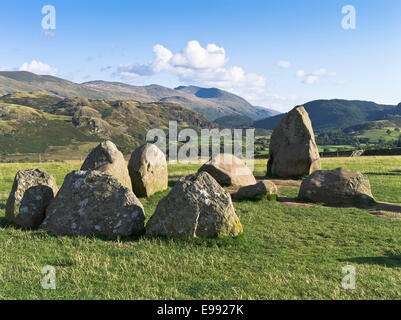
x,y
211,102
46,114
339,114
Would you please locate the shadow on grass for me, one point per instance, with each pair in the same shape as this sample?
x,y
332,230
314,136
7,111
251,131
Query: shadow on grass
x,y
4,224
392,261
275,177
206,242
172,183
388,207
371,206
258,198
124,239
390,173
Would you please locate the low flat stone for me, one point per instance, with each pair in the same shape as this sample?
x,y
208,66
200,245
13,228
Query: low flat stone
x,y
339,186
228,170
261,189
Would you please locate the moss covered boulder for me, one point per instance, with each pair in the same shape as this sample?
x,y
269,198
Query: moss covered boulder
x,y
31,194
94,203
197,206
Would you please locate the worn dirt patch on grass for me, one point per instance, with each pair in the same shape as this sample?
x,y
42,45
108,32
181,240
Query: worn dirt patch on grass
x,y
282,183
379,209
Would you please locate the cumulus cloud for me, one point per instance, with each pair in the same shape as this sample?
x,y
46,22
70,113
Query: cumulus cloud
x,y
206,66
283,64
314,77
38,68
323,72
311,79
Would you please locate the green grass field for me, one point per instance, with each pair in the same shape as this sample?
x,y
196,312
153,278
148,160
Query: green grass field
x,y
375,135
285,252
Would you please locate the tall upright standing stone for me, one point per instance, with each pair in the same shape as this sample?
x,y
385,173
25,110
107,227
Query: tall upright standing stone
x,y
148,170
293,150
108,159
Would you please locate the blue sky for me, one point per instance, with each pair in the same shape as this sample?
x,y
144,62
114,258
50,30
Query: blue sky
x,y
276,54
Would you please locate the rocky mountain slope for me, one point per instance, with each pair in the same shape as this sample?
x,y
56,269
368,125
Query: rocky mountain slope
x,y
211,102
36,122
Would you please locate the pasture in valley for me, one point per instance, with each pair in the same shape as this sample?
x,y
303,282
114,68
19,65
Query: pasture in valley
x,y
288,250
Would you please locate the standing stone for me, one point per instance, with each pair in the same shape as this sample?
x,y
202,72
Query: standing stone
x,y
31,193
94,203
197,206
263,188
228,170
293,150
148,170
108,159
339,186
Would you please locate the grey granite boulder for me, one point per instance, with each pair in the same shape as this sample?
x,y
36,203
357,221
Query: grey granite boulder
x,y
31,193
228,170
293,150
108,159
148,170
261,189
94,203
339,186
197,206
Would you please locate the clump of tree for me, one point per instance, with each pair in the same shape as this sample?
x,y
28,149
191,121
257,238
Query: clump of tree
x,y
336,137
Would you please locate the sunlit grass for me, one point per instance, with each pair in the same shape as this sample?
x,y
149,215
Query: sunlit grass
x,y
284,253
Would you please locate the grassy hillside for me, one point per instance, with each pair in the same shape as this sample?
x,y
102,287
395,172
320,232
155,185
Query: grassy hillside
x,y
15,81
286,252
375,131
41,123
235,121
335,114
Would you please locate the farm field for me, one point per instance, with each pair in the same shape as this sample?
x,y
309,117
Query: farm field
x,y
375,135
285,252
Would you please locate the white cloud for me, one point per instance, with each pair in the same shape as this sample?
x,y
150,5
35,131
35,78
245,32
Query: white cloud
x,y
195,64
38,68
311,79
314,77
196,57
323,72
208,67
283,64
